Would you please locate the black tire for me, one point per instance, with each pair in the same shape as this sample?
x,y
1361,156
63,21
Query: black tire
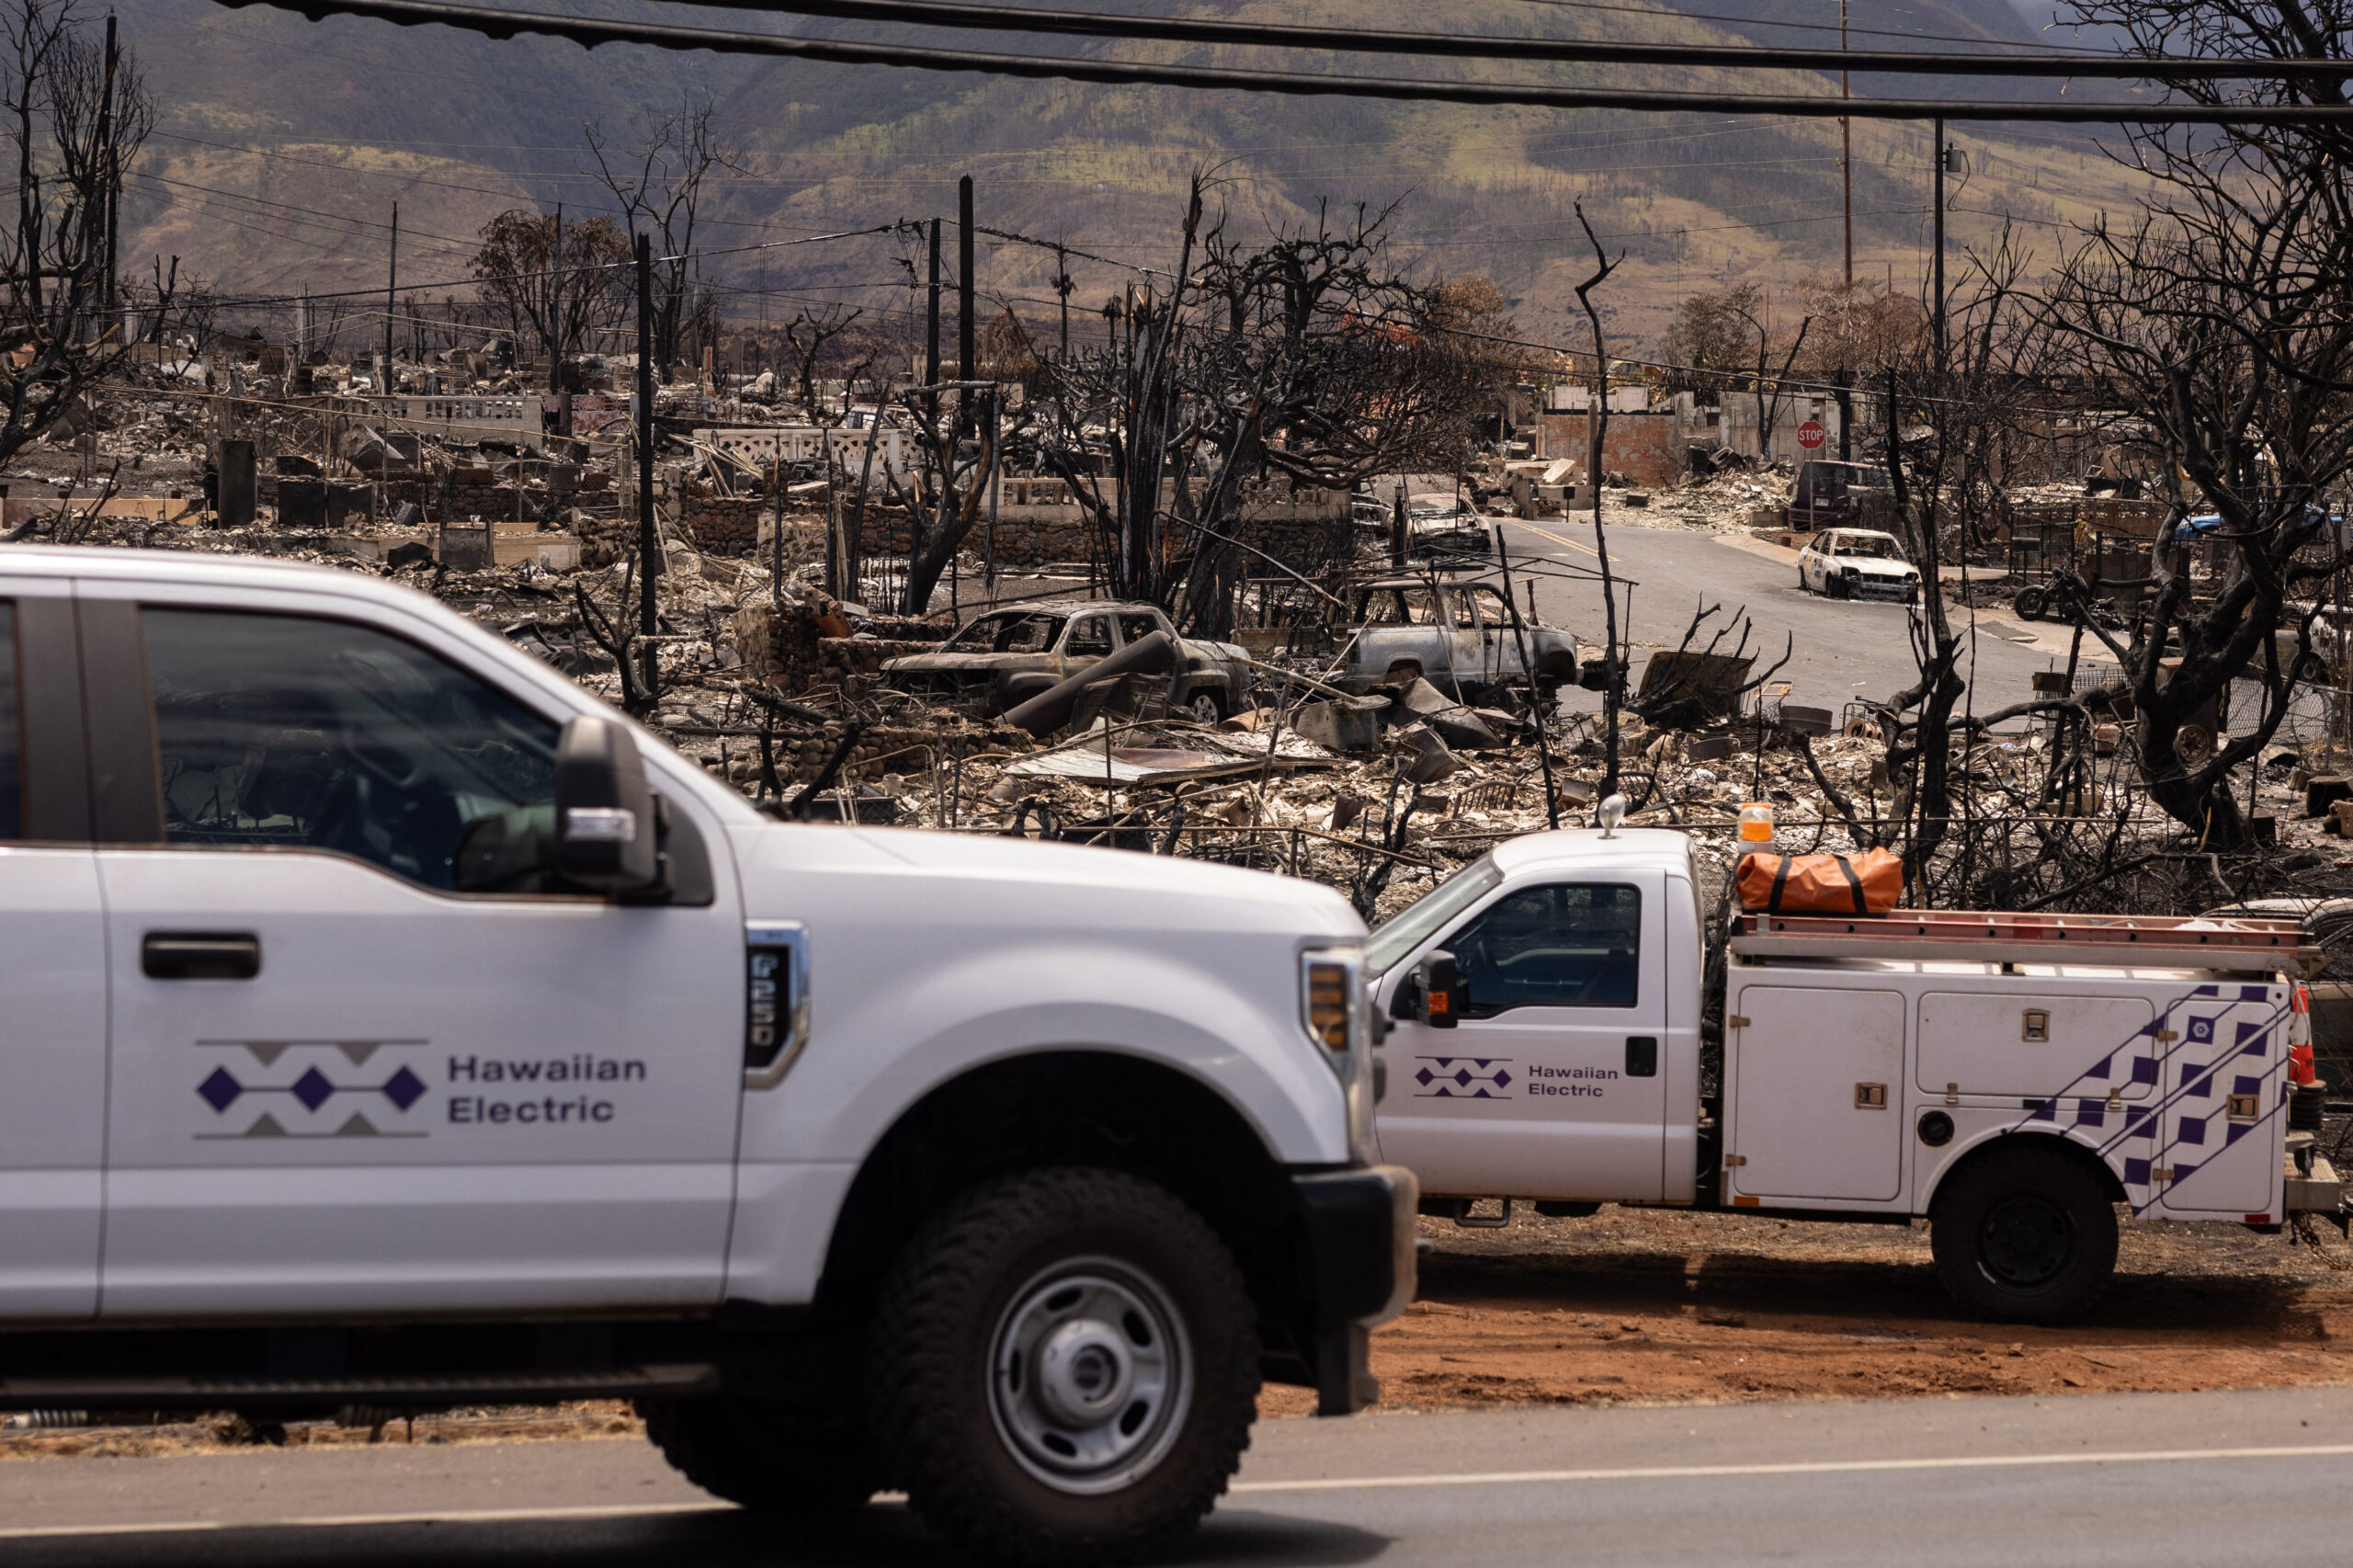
x,y
1800,579
2025,1234
2029,603
766,1457
987,1286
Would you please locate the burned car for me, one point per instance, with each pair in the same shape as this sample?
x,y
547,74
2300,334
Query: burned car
x,y
1457,635
1857,563
1006,655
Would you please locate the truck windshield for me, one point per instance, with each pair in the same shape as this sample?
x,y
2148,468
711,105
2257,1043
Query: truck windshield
x,y
1406,930
1400,606
1009,632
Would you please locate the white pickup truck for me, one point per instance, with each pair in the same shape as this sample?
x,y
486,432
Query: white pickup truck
x,y
1557,1038
384,1027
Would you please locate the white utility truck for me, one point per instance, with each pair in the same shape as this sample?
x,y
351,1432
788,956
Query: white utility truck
x,y
384,1029
1558,1037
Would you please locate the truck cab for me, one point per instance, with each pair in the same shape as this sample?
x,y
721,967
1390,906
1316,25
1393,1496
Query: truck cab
x,y
1004,656
392,1023
1453,629
1572,1071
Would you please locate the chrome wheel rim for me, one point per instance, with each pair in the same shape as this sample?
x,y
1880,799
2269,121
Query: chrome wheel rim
x,y
1090,1375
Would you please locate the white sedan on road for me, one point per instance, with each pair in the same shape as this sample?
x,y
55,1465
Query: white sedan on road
x,y
1857,563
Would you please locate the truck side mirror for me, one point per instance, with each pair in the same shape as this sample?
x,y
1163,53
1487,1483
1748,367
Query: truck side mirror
x,y
1405,1002
607,835
1444,994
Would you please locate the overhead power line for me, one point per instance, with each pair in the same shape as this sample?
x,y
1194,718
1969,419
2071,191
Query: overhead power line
x,y
501,23
1658,11
1461,46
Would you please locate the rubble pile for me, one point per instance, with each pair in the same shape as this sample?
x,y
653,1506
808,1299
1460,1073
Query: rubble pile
x,y
781,688
1735,499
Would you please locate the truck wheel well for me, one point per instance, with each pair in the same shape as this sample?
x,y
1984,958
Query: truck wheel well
x,y
1064,1108
2074,1149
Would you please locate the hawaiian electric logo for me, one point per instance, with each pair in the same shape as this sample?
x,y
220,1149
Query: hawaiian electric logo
x,y
312,1104
1464,1078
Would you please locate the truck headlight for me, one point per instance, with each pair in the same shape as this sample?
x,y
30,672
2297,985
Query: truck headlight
x,y
1331,1007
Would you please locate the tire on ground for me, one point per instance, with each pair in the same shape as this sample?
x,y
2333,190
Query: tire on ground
x,y
765,1457
1206,706
1064,1368
2025,1234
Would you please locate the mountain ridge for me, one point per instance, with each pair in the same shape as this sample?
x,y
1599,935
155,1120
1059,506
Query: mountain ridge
x,y
281,145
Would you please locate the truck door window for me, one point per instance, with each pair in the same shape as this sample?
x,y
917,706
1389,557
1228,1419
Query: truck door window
x,y
1569,945
12,790
1136,628
1089,638
275,729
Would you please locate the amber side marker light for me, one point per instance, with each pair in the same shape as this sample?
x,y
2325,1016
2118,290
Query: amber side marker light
x,y
1328,1004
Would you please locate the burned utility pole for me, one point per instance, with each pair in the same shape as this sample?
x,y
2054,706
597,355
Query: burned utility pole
x,y
1846,210
391,287
964,352
1936,260
931,329
1845,161
113,169
561,292
649,542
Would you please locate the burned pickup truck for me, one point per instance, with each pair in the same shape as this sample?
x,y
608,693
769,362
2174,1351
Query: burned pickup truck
x,y
1457,634
998,660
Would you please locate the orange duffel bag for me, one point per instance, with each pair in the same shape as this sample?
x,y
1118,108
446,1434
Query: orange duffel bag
x,y
1867,883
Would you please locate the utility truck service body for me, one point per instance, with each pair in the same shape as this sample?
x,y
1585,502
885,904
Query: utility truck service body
x,y
1555,1038
384,1029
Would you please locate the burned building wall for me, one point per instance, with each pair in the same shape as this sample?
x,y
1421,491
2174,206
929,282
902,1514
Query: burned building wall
x,y
1647,446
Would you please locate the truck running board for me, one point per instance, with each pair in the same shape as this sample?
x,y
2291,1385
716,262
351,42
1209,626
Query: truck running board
x,y
2166,941
517,1388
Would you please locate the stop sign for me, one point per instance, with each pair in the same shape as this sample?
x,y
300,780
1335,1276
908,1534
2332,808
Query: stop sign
x,y
1810,435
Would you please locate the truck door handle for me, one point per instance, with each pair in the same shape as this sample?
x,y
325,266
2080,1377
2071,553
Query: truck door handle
x,y
201,954
1642,1056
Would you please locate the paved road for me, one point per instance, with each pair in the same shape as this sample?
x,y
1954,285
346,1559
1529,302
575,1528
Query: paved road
x,y
2148,1481
1841,650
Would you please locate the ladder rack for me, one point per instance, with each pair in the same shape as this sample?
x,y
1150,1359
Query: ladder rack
x,y
1995,937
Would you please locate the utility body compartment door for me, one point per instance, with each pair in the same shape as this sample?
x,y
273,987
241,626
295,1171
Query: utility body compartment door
x,y
2222,1109
2031,1045
340,1083
1815,1087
